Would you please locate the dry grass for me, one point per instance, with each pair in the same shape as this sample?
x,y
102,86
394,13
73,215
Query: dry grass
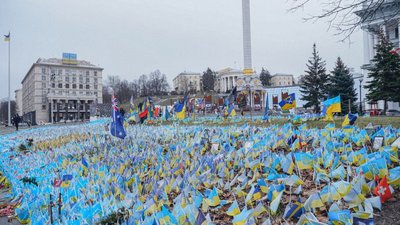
x,y
361,122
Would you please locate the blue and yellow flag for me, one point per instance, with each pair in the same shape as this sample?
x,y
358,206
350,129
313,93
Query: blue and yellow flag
x,y
289,102
7,37
85,167
349,119
180,109
231,110
294,210
332,105
233,209
266,108
304,160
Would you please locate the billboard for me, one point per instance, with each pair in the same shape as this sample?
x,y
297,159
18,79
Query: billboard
x,y
284,93
275,99
69,58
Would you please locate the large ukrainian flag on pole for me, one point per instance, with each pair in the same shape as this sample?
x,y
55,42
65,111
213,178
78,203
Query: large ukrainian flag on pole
x,y
332,105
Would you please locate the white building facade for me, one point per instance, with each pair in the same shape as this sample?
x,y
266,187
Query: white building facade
x,y
226,79
18,101
387,19
57,90
188,82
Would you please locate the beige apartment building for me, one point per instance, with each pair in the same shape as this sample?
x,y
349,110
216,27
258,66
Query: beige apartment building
x,y
188,82
281,79
60,90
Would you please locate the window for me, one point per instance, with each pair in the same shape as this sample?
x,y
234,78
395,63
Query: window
x,y
43,70
74,79
67,79
396,32
95,73
53,85
95,80
87,73
53,71
81,92
87,86
68,72
80,79
59,71
81,86
95,93
87,80
43,99
87,93
43,107
74,92
43,85
73,86
43,77
95,86
59,85
66,85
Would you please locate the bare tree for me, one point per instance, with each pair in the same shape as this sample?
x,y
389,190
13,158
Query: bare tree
x,y
345,16
113,82
143,85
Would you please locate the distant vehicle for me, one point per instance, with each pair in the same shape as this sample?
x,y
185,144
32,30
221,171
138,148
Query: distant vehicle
x,y
374,112
392,112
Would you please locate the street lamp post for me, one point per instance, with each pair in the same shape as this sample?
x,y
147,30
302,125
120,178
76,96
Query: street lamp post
x,y
361,80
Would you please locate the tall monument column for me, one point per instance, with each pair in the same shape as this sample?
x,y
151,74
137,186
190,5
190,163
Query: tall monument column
x,y
246,34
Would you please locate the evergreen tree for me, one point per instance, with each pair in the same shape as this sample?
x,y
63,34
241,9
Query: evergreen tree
x,y
315,82
265,77
384,74
342,83
208,80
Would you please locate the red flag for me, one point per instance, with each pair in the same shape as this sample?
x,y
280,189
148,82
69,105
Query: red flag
x,y
57,182
383,190
144,113
156,112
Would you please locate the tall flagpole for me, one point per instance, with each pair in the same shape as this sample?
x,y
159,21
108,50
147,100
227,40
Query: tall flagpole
x,y
9,89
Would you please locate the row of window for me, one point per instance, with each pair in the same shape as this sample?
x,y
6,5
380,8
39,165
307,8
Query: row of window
x,y
60,92
67,72
67,79
74,86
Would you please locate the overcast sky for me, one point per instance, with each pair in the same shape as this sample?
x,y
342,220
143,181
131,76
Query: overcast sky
x,y
130,37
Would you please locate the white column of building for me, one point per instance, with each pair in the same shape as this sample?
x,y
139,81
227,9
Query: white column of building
x,y
398,31
366,39
371,44
223,81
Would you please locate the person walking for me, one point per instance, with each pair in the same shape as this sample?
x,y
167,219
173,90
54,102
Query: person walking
x,y
16,120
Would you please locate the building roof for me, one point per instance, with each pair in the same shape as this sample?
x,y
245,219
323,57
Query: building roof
x,y
229,70
282,74
58,62
375,11
189,74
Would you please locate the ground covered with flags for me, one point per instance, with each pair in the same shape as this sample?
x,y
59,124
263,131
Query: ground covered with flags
x,y
178,174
